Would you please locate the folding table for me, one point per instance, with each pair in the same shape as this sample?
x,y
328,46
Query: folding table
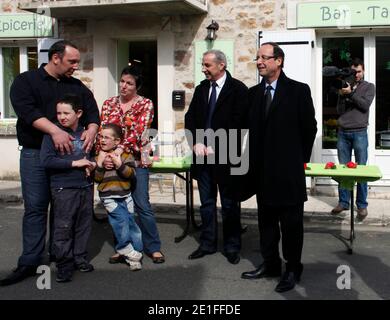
x,y
178,165
347,178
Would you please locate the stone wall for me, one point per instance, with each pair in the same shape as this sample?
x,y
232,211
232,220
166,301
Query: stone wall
x,y
239,21
77,32
8,6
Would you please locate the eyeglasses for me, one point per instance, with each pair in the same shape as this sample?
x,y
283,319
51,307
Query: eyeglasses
x,y
264,58
106,138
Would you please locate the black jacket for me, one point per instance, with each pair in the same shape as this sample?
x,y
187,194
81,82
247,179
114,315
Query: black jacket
x,y
230,113
280,144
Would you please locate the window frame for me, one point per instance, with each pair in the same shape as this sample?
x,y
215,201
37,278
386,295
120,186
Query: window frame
x,y
23,62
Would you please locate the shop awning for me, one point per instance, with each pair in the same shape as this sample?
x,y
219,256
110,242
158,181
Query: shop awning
x,y
117,8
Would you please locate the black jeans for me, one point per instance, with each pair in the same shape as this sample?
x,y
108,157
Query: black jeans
x,y
73,210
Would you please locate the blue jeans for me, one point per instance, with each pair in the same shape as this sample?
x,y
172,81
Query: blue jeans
x,y
208,211
121,218
143,209
36,196
357,141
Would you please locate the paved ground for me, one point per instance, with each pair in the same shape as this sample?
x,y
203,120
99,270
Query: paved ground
x,y
213,277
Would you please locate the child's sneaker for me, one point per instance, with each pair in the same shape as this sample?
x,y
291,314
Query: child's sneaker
x,y
135,265
134,255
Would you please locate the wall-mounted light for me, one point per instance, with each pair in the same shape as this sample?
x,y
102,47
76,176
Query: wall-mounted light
x,y
211,30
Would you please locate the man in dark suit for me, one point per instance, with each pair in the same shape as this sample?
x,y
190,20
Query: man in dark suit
x,y
219,103
282,130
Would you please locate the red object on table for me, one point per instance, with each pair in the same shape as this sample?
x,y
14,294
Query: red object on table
x,y
330,165
351,165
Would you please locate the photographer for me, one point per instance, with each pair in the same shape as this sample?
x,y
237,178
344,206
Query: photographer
x,y
353,107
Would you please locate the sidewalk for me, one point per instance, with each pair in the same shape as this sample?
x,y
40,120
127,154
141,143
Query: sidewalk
x,y
317,208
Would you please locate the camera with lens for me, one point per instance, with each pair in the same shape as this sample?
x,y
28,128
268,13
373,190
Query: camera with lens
x,y
340,78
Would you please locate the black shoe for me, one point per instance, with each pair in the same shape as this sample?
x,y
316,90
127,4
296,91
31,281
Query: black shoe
x,y
19,274
262,272
199,253
289,279
287,282
102,218
85,267
232,257
64,275
116,259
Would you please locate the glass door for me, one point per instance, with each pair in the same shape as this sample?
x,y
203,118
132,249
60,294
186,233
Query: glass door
x,y
382,110
381,125
337,54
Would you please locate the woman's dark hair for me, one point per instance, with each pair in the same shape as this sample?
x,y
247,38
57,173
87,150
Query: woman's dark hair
x,y
117,130
59,48
135,72
72,100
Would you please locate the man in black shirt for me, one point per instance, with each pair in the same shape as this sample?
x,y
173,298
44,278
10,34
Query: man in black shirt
x,y
34,95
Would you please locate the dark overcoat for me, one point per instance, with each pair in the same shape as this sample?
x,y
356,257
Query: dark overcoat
x,y
280,143
231,112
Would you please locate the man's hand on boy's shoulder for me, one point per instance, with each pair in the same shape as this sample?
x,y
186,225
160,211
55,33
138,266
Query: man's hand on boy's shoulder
x,y
62,141
88,136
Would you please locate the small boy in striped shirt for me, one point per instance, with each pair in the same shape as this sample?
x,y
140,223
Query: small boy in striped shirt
x,y
114,188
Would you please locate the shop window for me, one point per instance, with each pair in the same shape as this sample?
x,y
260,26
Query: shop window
x,y
337,52
382,81
13,60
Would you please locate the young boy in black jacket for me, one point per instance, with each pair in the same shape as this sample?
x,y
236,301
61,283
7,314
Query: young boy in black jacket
x,y
71,191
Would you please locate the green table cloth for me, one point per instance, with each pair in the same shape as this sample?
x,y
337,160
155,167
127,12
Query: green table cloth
x,y
171,164
347,177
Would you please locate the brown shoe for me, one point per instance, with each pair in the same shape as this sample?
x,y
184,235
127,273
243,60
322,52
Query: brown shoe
x,y
361,214
338,209
159,258
116,258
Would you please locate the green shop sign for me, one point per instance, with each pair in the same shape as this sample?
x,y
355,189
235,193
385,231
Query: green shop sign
x,y
29,25
343,14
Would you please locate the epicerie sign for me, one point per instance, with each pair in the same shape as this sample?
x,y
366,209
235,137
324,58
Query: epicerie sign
x,y
25,26
343,14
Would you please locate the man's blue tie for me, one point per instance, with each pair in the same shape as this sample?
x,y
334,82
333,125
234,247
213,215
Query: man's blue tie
x,y
212,103
268,99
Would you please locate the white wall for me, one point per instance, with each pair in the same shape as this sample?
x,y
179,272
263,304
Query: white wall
x,y
104,57
9,164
